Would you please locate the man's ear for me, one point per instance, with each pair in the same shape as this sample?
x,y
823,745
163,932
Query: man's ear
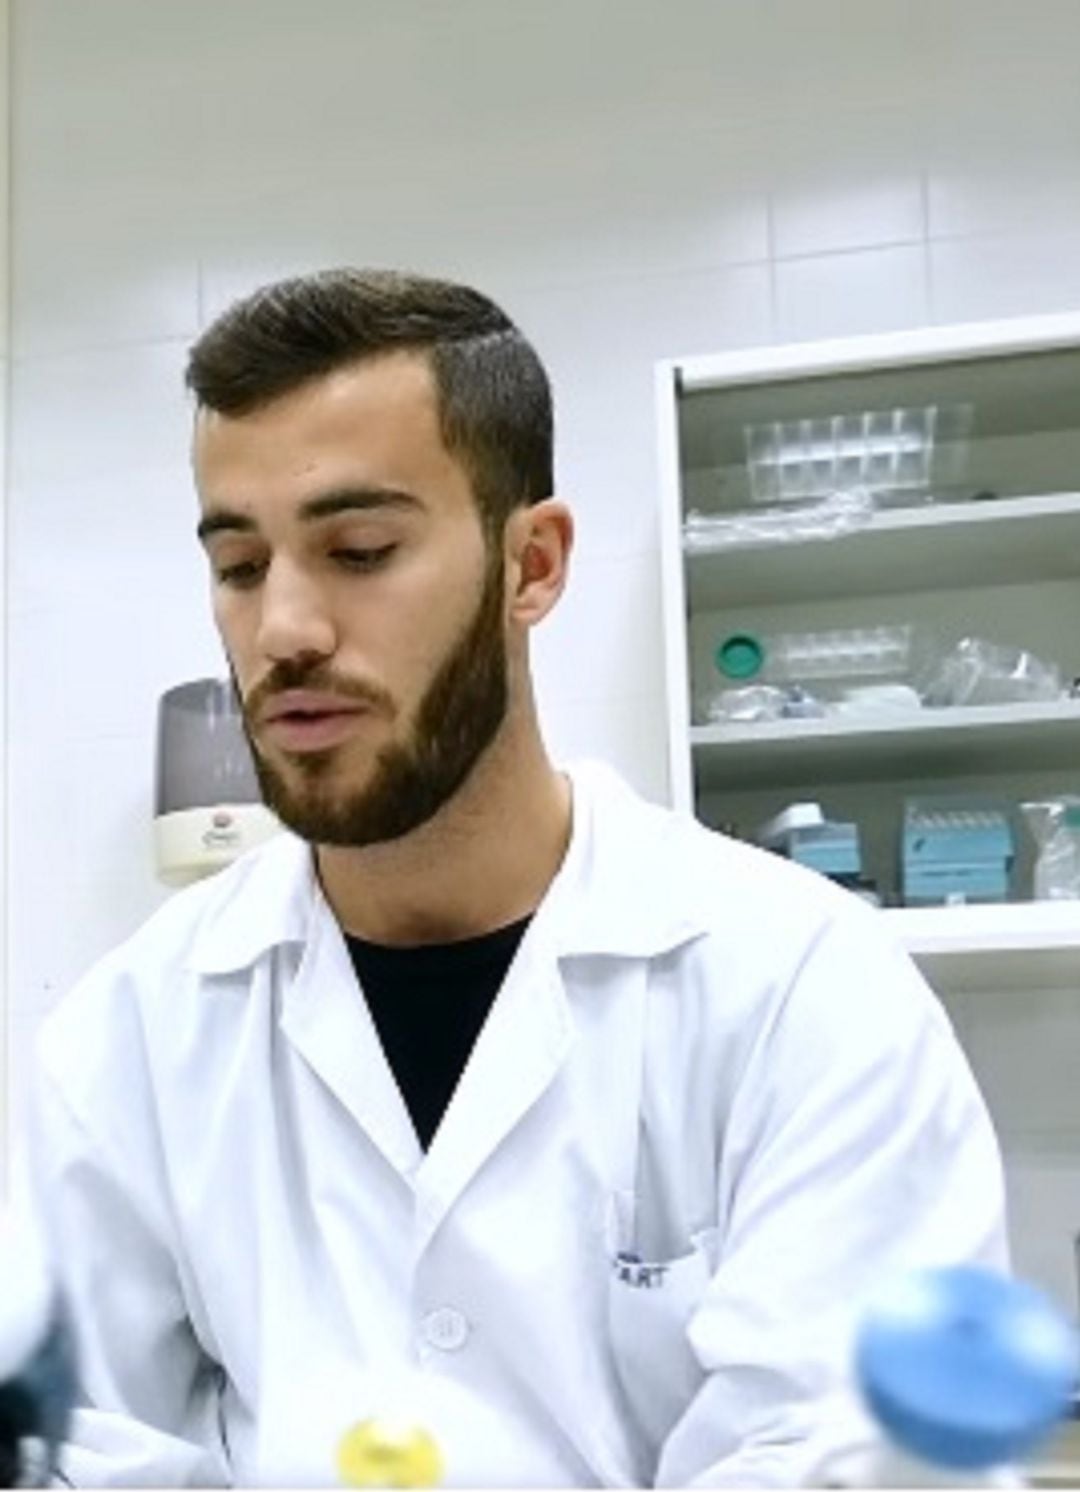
x,y
538,543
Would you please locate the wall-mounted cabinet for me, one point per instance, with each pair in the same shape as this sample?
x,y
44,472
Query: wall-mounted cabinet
x,y
964,445
927,484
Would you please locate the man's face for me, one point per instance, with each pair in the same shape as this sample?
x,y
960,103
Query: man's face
x,y
361,612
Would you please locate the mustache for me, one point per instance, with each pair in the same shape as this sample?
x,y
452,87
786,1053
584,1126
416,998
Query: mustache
x,y
292,675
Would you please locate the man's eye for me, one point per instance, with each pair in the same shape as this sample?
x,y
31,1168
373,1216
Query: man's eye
x,y
363,559
240,575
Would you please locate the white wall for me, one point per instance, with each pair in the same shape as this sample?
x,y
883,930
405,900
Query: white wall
x,y
633,178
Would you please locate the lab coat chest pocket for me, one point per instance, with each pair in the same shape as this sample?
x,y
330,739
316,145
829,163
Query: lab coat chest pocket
x,y
650,1303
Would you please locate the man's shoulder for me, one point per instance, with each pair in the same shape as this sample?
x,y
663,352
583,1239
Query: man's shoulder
x,y
668,865
742,941
164,958
252,890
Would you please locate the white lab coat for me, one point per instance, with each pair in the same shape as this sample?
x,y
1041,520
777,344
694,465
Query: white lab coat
x,y
701,1055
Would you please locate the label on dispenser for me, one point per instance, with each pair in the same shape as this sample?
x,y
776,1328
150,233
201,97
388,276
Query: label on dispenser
x,y
196,842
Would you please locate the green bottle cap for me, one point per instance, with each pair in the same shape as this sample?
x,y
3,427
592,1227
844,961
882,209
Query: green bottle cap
x,y
740,656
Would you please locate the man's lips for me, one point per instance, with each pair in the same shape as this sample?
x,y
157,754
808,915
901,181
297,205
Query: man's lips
x,y
304,721
307,703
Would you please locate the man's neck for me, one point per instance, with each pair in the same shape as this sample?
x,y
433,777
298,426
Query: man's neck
x,y
486,859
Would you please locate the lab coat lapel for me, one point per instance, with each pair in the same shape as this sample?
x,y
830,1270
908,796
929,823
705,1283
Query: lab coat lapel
x,y
518,1053
326,1018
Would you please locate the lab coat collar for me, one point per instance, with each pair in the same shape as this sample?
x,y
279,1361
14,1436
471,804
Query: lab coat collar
x,y
268,898
623,889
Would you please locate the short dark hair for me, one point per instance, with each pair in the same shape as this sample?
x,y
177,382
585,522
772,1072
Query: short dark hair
x,y
493,395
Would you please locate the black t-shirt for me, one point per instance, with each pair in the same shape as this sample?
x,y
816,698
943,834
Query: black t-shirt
x,y
428,1005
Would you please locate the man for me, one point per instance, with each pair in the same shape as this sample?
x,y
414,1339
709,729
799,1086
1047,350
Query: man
x,y
490,1097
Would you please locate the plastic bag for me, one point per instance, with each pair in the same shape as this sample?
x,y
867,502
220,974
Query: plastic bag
x,y
842,513
763,702
985,673
741,706
1055,825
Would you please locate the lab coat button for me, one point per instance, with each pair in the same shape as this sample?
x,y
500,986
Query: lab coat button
x,y
446,1329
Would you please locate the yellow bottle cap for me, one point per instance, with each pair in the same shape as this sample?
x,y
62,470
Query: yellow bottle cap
x,y
388,1453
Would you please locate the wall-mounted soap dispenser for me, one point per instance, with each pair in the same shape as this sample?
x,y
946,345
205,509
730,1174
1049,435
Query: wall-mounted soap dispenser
x,y
208,807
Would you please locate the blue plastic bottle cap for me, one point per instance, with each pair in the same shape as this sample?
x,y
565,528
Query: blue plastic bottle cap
x,y
740,656
965,1368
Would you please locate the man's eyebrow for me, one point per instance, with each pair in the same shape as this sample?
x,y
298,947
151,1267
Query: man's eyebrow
x,y
326,505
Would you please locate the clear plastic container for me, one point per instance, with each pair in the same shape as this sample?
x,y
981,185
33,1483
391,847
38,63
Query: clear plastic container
x,y
840,658
901,454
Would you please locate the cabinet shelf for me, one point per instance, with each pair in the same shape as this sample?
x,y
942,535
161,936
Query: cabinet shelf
x,y
1005,541
971,739
955,411
1020,946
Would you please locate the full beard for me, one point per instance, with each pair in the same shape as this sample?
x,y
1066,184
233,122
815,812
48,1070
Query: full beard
x,y
458,717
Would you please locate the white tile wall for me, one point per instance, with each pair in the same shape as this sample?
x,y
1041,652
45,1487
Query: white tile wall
x,y
600,341
627,731
878,290
101,412
85,681
65,534
573,214
1008,173
1013,274
48,780
573,656
107,181
814,217
850,179
634,180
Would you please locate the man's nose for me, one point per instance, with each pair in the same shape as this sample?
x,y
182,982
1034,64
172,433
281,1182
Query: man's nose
x,y
295,619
